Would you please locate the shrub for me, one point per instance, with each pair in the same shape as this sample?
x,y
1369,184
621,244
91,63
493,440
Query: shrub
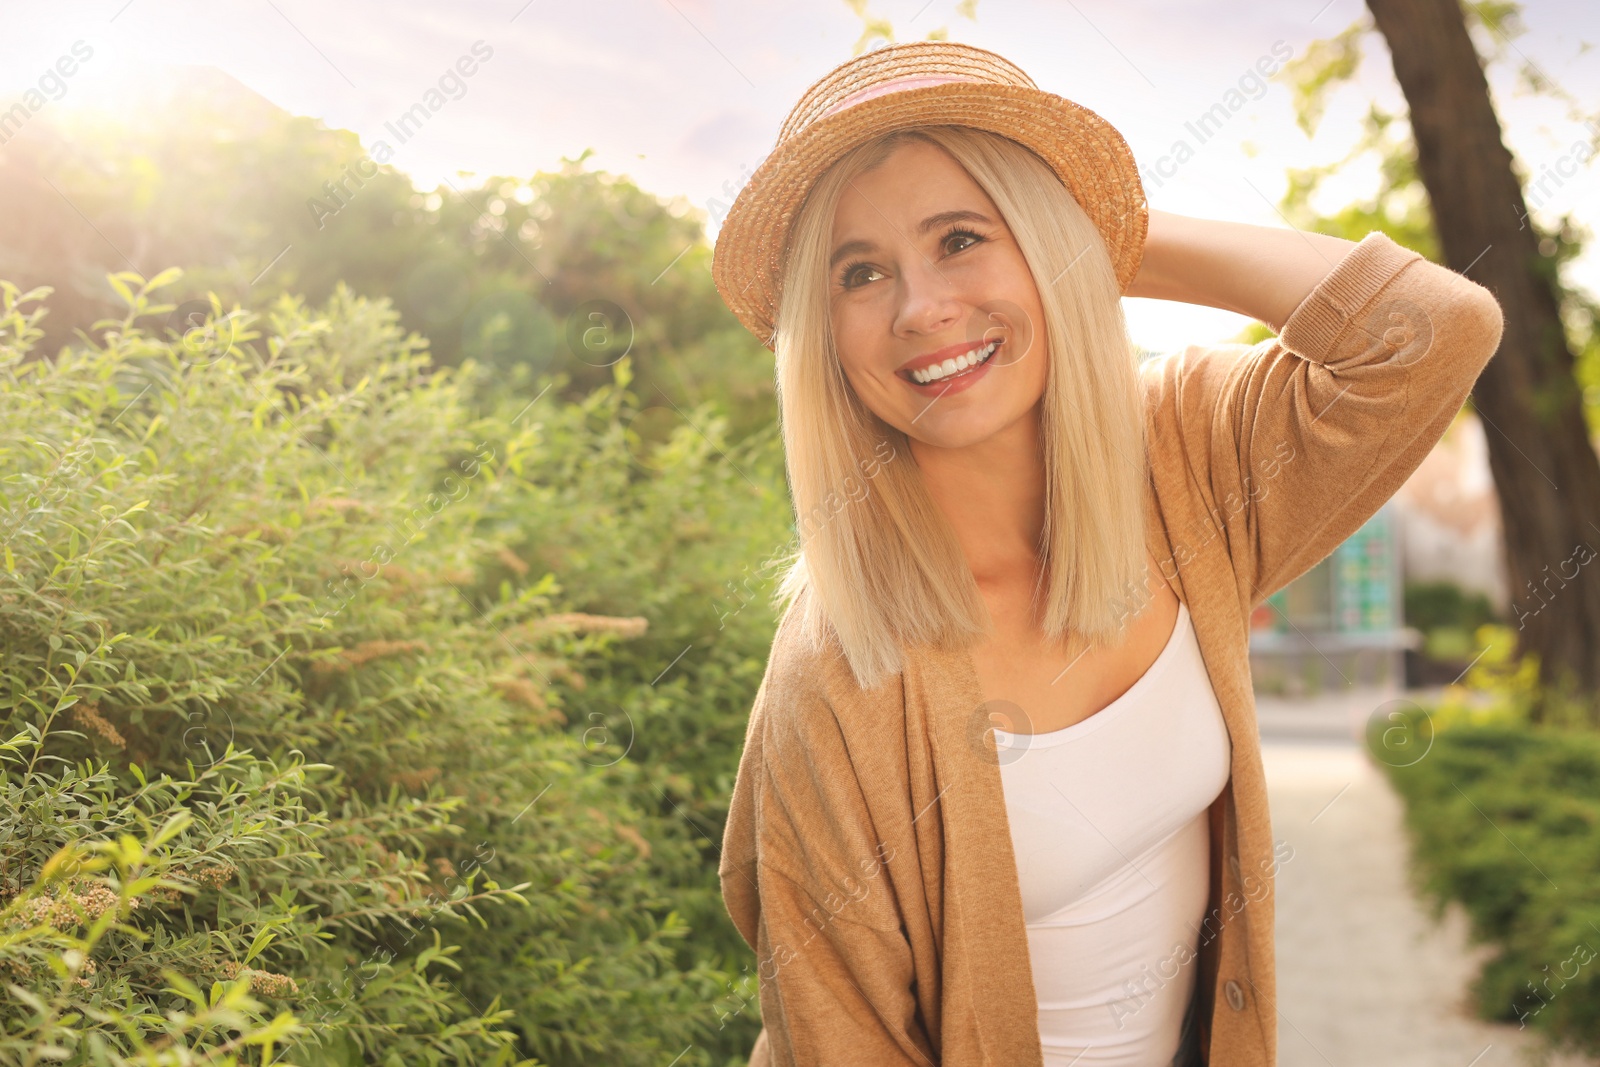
x,y
277,638
1504,816
1448,616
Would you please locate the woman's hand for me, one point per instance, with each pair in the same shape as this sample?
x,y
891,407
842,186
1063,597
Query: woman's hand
x,y
1260,271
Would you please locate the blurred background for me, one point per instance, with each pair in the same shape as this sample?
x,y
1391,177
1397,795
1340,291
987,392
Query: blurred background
x,y
389,510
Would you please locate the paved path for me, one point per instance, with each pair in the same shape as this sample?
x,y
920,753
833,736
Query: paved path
x,y
1365,977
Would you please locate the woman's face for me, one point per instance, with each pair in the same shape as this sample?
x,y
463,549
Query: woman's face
x,y
924,271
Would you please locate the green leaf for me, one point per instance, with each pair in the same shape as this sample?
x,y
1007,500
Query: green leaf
x,y
166,277
263,938
183,987
122,289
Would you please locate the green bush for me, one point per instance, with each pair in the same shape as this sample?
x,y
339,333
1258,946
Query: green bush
x,y
1431,605
1504,817
1448,616
281,634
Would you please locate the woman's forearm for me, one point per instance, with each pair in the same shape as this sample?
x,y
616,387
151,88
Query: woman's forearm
x,y
1260,271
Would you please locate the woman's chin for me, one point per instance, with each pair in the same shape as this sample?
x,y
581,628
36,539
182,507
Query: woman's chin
x,y
956,429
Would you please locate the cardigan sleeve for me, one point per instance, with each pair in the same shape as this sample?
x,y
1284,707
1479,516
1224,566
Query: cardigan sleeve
x,y
1295,442
805,880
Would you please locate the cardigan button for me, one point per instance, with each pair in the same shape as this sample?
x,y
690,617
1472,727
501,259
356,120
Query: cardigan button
x,y
1235,995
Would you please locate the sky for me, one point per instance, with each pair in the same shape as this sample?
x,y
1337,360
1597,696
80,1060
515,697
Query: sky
x,y
686,96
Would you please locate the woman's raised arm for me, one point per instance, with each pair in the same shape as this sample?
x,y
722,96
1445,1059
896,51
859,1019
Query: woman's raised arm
x,y
1260,271
1293,443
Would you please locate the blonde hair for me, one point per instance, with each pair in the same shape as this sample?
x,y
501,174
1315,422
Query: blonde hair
x,y
882,562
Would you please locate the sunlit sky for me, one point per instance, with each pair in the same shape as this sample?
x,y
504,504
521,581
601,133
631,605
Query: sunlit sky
x,y
686,95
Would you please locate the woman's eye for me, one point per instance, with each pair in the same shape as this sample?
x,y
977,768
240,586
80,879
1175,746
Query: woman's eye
x,y
858,275
969,240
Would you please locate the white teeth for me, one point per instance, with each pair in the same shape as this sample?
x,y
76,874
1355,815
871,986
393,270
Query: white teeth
x,y
940,371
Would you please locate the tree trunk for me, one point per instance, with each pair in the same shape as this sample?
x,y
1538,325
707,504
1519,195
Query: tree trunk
x,y
1545,470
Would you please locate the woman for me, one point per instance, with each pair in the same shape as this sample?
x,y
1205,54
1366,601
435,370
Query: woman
x,y
1001,800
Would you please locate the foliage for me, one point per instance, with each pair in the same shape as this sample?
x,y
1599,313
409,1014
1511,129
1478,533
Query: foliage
x,y
511,272
1399,204
82,898
1511,679
1447,615
1325,64
880,29
1254,333
1430,605
296,709
1505,818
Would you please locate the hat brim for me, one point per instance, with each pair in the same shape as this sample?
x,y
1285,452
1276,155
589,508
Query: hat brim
x,y
1085,151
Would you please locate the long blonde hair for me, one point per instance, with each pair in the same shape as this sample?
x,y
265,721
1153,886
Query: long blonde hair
x,y
881,561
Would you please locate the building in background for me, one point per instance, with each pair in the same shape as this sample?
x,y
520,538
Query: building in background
x,y
1342,624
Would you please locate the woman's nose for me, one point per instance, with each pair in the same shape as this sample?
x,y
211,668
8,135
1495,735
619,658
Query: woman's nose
x,y
928,301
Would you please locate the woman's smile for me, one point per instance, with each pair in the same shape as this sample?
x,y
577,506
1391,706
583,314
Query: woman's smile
x,y
950,370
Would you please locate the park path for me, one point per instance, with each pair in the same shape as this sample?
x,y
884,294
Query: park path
x,y
1366,978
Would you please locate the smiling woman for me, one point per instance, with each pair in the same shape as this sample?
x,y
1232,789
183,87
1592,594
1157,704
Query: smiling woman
x,y
1061,550
915,251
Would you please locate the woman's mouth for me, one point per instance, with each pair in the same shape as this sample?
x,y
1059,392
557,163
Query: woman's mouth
x,y
940,376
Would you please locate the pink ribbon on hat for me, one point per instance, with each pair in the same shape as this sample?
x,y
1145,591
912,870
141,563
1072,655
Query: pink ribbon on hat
x,y
894,85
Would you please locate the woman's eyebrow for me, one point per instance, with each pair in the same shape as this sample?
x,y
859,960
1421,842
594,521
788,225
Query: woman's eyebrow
x,y
945,218
932,222
849,248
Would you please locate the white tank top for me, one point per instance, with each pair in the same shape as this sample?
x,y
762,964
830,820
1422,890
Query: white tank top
x,y
1108,823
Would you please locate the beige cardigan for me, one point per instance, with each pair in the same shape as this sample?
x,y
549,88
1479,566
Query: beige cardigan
x,y
867,858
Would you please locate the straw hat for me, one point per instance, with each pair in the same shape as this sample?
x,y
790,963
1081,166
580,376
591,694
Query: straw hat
x,y
916,84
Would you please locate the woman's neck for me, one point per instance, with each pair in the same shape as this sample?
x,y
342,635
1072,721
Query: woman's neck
x,y
993,495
